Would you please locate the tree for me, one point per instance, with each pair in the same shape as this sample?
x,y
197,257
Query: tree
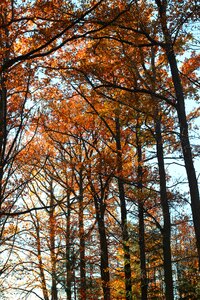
x,y
29,33
92,118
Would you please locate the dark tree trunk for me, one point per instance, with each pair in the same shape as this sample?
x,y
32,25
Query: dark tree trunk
x,y
125,235
4,44
68,253
74,274
100,207
3,108
82,241
105,274
3,112
168,277
144,281
52,220
184,135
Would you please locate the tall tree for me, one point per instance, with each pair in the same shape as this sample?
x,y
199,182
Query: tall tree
x,y
169,41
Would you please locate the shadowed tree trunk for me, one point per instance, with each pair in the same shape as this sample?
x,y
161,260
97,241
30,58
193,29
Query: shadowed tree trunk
x,y
183,124
82,240
4,44
68,251
100,207
52,224
168,277
125,235
105,274
143,271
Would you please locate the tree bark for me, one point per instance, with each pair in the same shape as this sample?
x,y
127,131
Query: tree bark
x,y
183,124
105,274
40,263
52,220
3,115
125,235
82,241
3,122
100,207
68,252
143,271
168,276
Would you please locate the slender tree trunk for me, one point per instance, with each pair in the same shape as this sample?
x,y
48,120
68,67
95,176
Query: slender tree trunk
x,y
187,154
3,124
3,101
144,281
184,134
74,275
82,242
52,221
168,277
100,206
3,96
3,112
105,274
68,252
125,235
40,263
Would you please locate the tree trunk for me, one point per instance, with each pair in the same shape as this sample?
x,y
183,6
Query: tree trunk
x,y
105,274
143,271
168,277
68,252
3,112
82,242
3,108
184,135
4,44
52,220
125,235
41,268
